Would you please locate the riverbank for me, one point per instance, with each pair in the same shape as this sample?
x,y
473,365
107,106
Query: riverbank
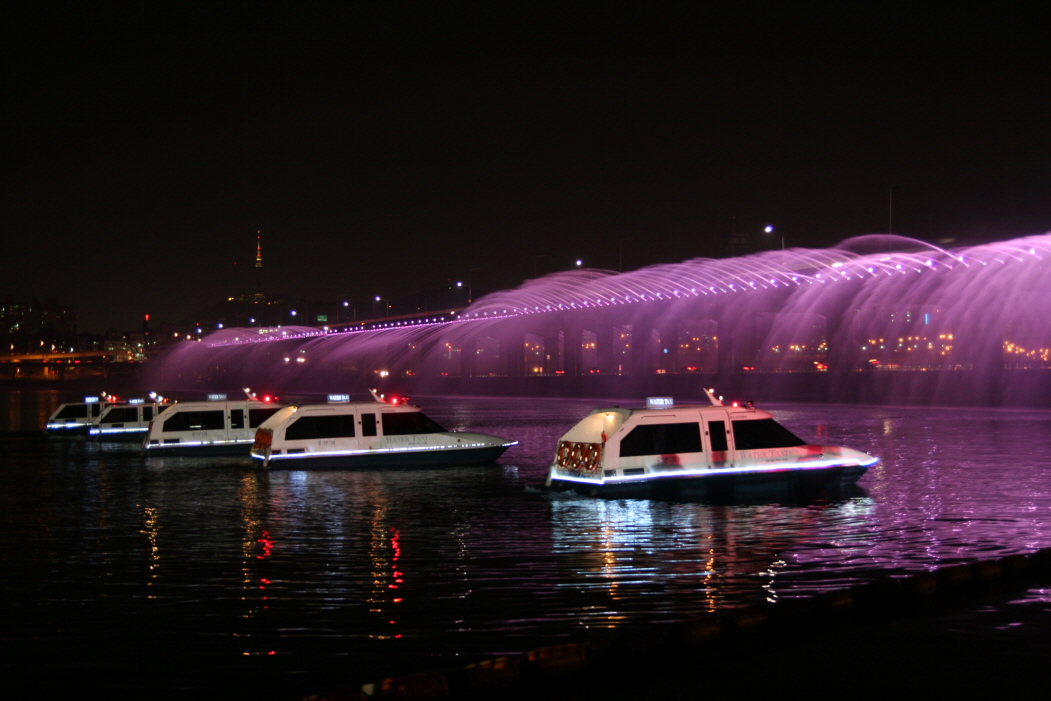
x,y
982,627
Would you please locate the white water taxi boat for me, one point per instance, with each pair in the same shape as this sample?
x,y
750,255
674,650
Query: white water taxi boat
x,y
218,426
127,421
343,434
717,453
75,418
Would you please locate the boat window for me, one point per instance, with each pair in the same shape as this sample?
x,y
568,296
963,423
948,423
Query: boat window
x,y
331,426
763,433
96,409
121,415
717,432
368,424
195,421
147,413
300,429
408,423
237,418
74,411
661,439
258,416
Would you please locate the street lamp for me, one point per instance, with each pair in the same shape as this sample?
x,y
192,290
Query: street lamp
x,y
386,304
770,229
620,259
344,305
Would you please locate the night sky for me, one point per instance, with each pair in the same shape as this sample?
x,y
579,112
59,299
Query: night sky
x,y
384,148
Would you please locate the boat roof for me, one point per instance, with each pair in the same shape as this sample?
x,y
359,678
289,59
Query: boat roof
x,y
218,404
385,406
678,408
293,408
608,421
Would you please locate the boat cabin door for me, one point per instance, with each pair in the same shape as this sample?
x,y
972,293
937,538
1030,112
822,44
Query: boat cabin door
x,y
237,421
367,428
718,436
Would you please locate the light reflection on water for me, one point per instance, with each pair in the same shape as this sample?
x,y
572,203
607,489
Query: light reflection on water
x,y
352,574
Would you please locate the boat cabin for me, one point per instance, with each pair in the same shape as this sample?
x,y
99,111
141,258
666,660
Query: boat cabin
x,y
218,426
127,421
75,418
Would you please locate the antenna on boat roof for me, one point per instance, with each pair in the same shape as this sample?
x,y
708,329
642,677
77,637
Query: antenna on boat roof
x,y
716,401
248,392
378,397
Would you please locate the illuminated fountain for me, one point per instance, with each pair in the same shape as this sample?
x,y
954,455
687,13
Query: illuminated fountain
x,y
875,318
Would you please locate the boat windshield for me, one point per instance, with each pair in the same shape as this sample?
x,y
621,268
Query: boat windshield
x,y
408,423
73,411
763,433
119,415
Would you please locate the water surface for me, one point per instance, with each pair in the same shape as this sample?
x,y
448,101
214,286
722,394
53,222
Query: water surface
x,y
184,575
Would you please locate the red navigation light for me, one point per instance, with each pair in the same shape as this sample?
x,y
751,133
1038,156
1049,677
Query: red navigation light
x,y
393,400
147,317
736,404
266,398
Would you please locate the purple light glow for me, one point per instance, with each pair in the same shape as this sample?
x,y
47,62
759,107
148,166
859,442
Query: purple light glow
x,y
976,311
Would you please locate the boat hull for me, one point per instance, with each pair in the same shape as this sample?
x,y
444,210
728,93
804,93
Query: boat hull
x,y
421,458
726,487
240,449
68,431
131,436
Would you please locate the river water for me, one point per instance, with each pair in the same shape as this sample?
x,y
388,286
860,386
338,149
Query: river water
x,y
190,576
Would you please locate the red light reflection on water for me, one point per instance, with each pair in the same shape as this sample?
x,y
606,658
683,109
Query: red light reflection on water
x,y
268,545
395,546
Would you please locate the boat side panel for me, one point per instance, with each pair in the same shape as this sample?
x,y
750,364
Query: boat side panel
x,y
213,450
436,458
728,488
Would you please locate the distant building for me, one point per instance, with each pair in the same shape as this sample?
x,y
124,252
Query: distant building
x,y
26,326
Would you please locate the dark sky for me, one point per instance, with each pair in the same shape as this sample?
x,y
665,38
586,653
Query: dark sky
x,y
384,147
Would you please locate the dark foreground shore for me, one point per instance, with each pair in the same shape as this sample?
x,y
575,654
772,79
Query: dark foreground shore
x,y
976,629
